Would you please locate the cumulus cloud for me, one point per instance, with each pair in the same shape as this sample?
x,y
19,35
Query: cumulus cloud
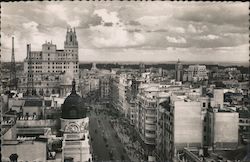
x,y
209,37
219,14
176,40
107,16
178,30
115,35
148,26
57,10
153,20
32,26
191,28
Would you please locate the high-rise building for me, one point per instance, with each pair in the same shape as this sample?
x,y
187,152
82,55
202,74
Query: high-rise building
x,y
51,70
104,88
185,125
197,73
179,71
221,131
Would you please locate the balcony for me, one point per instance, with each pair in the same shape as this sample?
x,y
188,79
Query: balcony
x,y
150,135
150,115
150,127
150,121
149,140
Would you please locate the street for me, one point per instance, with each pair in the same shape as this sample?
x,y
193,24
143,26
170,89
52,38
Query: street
x,y
105,143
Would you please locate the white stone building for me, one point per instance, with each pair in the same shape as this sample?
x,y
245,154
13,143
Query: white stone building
x,y
51,70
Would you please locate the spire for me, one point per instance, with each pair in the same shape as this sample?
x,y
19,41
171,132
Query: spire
x,y
73,87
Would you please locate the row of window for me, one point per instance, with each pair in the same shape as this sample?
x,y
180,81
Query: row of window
x,y
60,63
35,67
58,71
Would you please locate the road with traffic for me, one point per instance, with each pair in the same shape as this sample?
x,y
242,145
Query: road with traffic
x,y
105,142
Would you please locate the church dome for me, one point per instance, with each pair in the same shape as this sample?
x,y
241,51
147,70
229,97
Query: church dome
x,y
73,106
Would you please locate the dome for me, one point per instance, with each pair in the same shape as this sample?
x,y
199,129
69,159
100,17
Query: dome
x,y
73,106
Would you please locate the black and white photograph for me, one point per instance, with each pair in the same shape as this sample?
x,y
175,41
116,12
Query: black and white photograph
x,y
124,81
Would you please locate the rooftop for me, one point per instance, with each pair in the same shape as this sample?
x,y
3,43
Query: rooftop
x,y
39,103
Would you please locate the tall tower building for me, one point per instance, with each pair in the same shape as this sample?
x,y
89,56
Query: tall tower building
x,y
142,68
71,45
51,70
93,66
30,84
179,71
13,79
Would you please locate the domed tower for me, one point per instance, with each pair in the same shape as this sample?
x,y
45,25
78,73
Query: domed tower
x,y
74,127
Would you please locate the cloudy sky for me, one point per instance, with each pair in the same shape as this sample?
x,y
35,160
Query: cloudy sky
x,y
131,31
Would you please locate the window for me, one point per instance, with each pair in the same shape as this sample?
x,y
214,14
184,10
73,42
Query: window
x,y
204,104
204,129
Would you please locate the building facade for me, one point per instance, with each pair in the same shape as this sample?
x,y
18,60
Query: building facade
x,y
196,73
104,89
51,70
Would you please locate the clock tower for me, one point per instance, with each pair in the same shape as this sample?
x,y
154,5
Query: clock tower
x,y
74,127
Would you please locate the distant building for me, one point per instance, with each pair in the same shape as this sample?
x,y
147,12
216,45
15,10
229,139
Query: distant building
x,y
51,70
178,71
93,68
196,73
104,88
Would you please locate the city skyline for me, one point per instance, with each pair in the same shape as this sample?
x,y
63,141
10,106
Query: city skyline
x,y
131,32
